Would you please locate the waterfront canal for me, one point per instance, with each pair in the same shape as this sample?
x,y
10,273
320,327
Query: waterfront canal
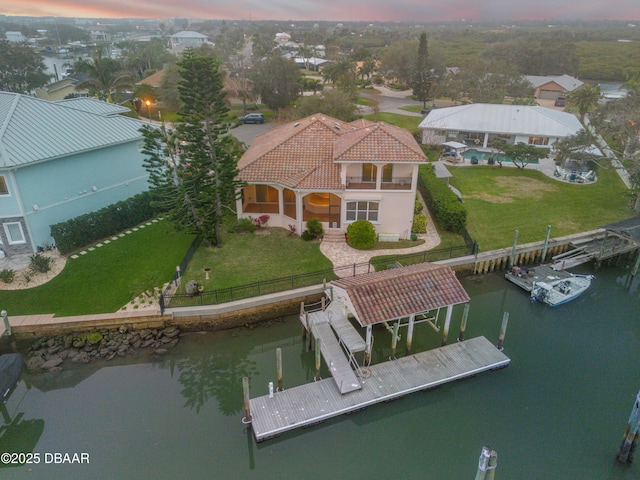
x,y
558,411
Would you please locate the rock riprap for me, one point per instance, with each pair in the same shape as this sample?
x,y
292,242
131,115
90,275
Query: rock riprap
x,y
50,353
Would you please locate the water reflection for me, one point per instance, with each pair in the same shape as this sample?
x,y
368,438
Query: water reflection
x,y
214,375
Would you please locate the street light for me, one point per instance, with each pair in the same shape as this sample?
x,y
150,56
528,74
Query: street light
x,y
148,104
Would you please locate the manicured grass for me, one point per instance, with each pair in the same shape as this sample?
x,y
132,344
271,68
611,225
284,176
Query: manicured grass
x,y
106,278
501,200
404,121
247,258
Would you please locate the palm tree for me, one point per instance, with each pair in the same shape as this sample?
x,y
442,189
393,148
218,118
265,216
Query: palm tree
x,y
585,99
105,75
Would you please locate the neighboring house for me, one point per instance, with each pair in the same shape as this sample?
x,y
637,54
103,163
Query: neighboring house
x,y
282,38
15,37
554,86
59,160
337,172
186,39
61,89
478,123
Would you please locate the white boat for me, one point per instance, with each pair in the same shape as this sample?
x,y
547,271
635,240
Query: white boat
x,y
557,292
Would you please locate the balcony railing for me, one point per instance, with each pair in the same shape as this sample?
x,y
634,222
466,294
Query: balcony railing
x,y
395,183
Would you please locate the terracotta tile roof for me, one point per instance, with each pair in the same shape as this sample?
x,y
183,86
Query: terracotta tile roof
x,y
390,294
298,154
379,142
302,154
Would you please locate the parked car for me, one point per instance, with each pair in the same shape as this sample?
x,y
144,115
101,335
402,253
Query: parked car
x,y
425,111
252,118
560,102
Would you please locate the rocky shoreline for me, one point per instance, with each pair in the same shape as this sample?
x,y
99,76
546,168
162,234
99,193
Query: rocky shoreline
x,y
50,353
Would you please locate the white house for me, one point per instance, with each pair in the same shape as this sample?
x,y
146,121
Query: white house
x,y
15,37
186,39
320,167
476,124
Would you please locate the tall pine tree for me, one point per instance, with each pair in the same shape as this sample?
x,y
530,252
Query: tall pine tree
x,y
193,169
421,80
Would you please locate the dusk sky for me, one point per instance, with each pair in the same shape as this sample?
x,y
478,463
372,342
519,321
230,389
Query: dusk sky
x,y
340,10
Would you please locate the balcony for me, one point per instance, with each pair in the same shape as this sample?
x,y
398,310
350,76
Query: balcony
x,y
394,183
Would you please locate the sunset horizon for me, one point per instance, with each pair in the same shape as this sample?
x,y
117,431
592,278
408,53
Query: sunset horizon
x,y
417,11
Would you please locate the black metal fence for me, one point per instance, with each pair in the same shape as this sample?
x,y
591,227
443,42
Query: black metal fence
x,y
256,289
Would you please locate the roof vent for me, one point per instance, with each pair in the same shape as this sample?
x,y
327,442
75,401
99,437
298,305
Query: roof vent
x,y
296,124
36,207
336,126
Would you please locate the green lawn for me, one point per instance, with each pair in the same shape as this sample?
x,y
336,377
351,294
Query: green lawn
x,y
247,258
107,278
403,121
501,200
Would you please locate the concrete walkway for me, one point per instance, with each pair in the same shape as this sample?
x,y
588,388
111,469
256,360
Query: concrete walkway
x,y
342,254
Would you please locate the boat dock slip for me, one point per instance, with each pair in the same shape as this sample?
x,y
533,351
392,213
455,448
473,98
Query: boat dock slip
x,y
315,402
526,277
323,323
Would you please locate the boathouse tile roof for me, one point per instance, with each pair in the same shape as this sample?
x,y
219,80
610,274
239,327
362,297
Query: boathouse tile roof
x,y
306,154
399,292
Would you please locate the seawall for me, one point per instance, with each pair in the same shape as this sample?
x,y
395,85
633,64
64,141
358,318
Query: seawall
x,y
249,311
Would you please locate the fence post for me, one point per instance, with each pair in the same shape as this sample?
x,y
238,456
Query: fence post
x,y
258,287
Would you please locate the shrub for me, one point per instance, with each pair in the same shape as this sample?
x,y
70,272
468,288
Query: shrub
x,y
191,287
244,225
417,206
307,236
314,227
361,235
7,275
39,263
442,202
419,223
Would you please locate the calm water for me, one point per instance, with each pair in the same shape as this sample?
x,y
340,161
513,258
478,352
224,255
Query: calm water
x,y
558,412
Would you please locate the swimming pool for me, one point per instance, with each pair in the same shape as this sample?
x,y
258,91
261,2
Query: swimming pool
x,y
484,155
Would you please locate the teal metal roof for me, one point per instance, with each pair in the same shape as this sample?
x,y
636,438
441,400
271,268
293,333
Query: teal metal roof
x,y
34,130
91,105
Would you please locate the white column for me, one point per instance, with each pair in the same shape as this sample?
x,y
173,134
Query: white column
x,y
486,140
447,323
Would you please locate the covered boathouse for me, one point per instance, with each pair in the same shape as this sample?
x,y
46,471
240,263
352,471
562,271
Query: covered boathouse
x,y
416,293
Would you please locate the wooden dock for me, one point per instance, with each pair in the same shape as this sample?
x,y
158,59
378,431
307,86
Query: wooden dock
x,y
526,277
315,402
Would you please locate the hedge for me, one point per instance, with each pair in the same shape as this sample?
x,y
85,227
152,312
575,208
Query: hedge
x,y
441,201
88,228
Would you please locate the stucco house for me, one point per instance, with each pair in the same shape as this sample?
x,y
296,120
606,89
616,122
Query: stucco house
x,y
334,171
552,87
59,160
477,124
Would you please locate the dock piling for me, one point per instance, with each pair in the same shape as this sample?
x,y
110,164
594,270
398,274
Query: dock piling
x,y
247,409
463,323
317,377
513,250
394,340
306,318
503,330
410,333
483,463
631,434
447,323
279,368
7,325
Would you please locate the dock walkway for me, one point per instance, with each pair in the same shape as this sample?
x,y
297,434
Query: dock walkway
x,y
315,402
323,324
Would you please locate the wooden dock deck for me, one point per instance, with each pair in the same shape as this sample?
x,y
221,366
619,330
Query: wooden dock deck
x,y
540,273
315,402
